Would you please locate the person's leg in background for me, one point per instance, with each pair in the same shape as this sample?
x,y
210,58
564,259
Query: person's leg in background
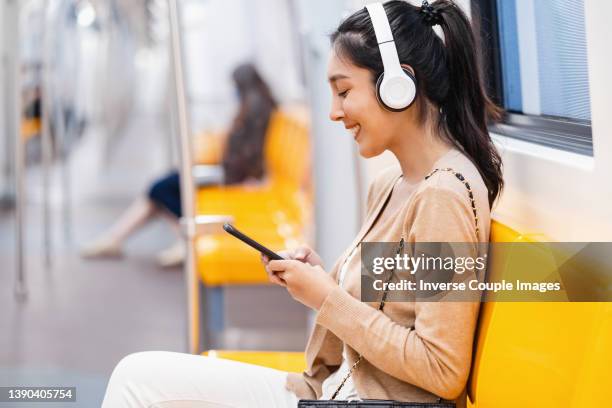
x,y
110,243
204,176
157,379
174,255
163,195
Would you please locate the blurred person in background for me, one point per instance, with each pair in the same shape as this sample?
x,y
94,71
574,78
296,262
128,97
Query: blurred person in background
x,y
242,163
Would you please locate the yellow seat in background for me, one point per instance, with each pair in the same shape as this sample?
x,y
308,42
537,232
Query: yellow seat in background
x,y
277,213
30,128
280,360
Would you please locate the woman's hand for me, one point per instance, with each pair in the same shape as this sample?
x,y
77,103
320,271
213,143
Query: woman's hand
x,y
304,269
307,284
302,253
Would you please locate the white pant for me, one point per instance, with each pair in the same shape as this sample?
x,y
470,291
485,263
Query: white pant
x,y
158,379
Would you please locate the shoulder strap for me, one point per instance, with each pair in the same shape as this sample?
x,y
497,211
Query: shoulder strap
x,y
467,186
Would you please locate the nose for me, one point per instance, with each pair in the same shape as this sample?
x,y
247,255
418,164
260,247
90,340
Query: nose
x,y
336,113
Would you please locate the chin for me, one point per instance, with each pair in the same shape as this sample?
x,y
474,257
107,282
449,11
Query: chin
x,y
367,152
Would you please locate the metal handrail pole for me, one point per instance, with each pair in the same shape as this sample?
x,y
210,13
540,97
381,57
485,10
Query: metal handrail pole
x,y
21,288
186,179
7,199
61,133
359,191
47,155
64,162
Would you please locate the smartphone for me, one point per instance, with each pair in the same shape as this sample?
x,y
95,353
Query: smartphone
x,y
252,243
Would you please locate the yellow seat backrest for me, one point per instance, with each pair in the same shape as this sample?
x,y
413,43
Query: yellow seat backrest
x,y
287,150
208,147
546,354
30,128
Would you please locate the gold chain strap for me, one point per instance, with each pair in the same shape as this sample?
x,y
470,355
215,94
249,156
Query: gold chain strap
x,y
381,306
401,247
346,377
469,189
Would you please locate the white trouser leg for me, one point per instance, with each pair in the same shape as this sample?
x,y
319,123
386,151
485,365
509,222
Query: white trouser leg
x,y
158,379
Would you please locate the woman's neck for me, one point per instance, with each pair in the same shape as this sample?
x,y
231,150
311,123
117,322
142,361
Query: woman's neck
x,y
417,150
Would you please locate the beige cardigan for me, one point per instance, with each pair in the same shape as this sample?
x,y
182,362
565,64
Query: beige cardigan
x,y
414,351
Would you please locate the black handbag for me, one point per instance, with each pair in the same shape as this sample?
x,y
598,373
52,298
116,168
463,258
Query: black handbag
x,y
373,404
390,403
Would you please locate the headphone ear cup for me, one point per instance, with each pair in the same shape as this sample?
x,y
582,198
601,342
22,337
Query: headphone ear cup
x,y
412,77
378,83
409,85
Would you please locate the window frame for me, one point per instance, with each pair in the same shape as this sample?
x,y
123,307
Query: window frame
x,y
557,132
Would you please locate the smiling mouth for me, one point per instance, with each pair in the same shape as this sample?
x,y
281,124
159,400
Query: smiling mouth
x,y
355,131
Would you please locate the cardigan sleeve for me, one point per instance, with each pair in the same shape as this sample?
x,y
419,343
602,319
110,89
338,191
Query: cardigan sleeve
x,y
435,354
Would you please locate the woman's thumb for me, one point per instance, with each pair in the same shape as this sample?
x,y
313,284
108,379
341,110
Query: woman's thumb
x,y
301,253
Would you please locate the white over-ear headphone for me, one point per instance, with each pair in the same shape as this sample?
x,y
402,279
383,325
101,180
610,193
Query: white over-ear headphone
x,y
396,86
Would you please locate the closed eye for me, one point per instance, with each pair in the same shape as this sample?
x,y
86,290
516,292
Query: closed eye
x,y
343,93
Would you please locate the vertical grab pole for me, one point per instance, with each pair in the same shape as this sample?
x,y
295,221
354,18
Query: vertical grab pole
x,y
47,155
61,137
186,179
358,185
21,288
7,197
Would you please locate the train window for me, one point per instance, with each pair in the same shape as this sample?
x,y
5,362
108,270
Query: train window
x,y
537,67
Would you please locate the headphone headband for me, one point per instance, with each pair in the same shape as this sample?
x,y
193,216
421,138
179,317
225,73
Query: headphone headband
x,y
396,86
384,38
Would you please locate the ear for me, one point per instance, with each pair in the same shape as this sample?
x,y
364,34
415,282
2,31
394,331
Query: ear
x,y
409,68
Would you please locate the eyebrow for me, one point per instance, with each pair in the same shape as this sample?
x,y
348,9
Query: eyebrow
x,y
336,77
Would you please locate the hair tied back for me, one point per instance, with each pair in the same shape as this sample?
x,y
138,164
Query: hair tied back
x,y
431,16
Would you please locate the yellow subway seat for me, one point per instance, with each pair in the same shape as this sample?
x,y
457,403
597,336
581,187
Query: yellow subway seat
x,y
526,348
266,230
281,192
276,212
30,128
539,353
254,205
286,159
247,207
208,147
224,260
503,233
280,360
287,146
266,192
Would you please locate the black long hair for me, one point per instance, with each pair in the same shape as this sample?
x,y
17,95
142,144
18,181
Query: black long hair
x,y
449,74
243,157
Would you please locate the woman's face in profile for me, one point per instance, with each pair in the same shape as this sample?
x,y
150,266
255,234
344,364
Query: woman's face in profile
x,y
354,103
